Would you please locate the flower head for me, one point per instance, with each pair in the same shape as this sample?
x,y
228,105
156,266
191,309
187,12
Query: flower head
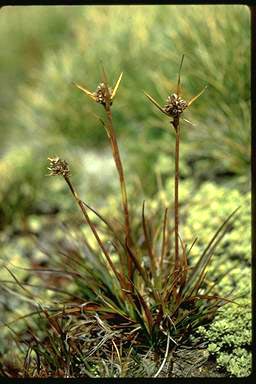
x,y
175,105
58,167
103,94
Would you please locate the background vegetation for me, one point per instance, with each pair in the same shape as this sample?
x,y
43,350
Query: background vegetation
x,y
42,113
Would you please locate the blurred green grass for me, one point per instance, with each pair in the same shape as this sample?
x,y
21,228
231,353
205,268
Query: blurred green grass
x,y
43,112
27,34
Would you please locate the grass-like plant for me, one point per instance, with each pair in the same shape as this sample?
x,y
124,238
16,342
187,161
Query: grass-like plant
x,y
154,290
136,291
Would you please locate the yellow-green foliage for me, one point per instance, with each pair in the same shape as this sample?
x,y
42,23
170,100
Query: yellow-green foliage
x,y
49,115
19,172
129,39
230,338
24,46
209,206
25,189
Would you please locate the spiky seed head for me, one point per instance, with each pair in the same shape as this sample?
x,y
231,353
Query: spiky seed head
x,y
58,167
175,105
102,95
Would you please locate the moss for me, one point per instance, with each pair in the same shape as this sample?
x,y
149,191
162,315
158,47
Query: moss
x,y
229,337
208,208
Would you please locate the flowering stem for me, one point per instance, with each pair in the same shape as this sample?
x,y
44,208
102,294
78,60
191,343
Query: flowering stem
x,y
91,225
118,162
176,125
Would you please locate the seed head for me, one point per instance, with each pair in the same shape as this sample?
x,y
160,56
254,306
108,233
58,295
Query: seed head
x,y
58,167
102,94
175,105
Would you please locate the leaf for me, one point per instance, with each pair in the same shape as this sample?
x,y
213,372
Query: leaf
x,y
192,245
105,222
196,97
169,289
184,264
142,272
112,307
29,294
155,102
211,297
53,322
147,241
164,247
21,318
146,309
48,270
116,86
88,93
220,277
189,122
178,83
206,255
48,288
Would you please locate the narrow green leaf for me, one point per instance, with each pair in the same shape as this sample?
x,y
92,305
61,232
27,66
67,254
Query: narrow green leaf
x,y
147,241
196,97
202,263
178,83
88,93
116,86
155,103
164,245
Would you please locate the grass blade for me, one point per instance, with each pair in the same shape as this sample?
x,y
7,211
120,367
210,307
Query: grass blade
x,y
88,93
155,103
147,241
206,255
116,86
164,242
178,83
196,97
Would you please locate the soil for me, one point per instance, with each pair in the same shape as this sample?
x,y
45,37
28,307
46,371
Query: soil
x,y
193,363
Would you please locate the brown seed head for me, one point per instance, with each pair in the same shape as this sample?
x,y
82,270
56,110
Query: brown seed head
x,y
58,167
175,105
102,95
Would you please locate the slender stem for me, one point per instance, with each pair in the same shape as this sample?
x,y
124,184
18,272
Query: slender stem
x,y
124,284
164,245
119,167
176,125
91,225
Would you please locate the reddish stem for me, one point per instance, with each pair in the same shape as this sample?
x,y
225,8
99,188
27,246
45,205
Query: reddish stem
x,y
119,166
176,125
91,225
